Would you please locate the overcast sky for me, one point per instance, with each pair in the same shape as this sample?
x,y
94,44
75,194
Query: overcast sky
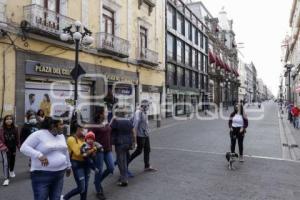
x,y
261,25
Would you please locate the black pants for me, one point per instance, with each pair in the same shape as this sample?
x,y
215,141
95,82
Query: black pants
x,y
11,158
143,143
236,135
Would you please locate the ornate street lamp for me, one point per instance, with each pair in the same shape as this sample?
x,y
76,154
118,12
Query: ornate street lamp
x,y
74,32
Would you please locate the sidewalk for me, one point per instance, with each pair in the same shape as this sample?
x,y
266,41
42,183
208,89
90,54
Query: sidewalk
x,y
290,137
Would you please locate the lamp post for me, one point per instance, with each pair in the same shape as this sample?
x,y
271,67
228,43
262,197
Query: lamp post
x,y
226,93
74,32
289,67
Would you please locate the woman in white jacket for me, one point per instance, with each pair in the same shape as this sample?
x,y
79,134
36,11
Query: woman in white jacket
x,y
50,160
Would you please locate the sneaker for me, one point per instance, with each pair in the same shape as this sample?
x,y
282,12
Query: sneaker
x,y
123,184
6,182
150,169
241,159
100,196
12,174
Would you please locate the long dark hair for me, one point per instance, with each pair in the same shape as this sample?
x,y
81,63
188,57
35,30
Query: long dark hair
x,y
47,97
4,124
241,109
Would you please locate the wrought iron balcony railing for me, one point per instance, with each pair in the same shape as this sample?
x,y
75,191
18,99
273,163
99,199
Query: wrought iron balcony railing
x,y
42,19
111,44
2,12
148,57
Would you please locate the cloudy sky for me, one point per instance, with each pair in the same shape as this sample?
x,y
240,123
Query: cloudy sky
x,y
261,25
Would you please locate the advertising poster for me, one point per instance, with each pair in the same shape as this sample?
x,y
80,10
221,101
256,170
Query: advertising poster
x,y
55,99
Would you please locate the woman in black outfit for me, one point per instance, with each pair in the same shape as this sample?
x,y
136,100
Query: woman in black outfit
x,y
238,124
10,137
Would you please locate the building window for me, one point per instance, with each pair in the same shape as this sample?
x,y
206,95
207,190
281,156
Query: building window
x,y
171,74
197,80
180,76
171,16
180,51
53,5
201,62
196,60
202,81
171,47
193,34
201,40
206,44
108,21
196,37
187,29
193,58
180,24
191,79
187,77
143,38
187,56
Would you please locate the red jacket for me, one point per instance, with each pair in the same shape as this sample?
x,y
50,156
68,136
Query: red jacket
x,y
295,111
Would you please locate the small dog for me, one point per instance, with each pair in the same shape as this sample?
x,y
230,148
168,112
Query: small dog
x,y
231,158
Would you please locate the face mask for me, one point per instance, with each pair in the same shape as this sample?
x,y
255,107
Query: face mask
x,y
42,119
32,121
8,122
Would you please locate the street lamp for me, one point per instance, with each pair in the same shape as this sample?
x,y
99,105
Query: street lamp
x,y
74,32
288,67
226,93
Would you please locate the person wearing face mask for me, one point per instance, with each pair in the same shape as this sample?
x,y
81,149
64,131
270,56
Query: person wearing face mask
x,y
9,142
238,124
29,127
80,166
50,160
141,127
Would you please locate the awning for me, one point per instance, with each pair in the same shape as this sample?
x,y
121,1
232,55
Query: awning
x,y
211,57
218,62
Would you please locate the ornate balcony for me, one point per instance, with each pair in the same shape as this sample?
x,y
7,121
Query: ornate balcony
x,y
148,57
111,44
2,12
44,21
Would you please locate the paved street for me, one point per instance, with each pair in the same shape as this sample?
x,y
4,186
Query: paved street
x,y
190,158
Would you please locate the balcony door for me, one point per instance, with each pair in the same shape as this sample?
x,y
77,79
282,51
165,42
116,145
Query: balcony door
x,y
108,27
50,17
143,42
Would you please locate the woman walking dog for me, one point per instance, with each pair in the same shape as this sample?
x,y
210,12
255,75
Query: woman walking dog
x,y
238,124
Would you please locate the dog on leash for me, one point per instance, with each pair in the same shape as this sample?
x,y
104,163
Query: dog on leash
x,y
231,158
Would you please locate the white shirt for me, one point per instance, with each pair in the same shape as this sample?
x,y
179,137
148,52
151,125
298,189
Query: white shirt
x,y
237,121
44,143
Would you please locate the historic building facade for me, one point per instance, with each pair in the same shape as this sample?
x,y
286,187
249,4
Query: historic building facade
x,y
128,52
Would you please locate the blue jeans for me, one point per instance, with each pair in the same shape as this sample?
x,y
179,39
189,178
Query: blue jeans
x,y
46,184
81,172
106,157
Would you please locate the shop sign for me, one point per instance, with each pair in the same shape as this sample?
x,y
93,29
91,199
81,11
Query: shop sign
x,y
39,68
119,78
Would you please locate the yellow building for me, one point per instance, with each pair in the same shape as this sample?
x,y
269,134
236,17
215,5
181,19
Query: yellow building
x,y
128,51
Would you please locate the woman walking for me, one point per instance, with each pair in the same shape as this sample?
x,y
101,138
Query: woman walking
x,y
238,124
50,161
9,140
80,167
103,136
29,127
